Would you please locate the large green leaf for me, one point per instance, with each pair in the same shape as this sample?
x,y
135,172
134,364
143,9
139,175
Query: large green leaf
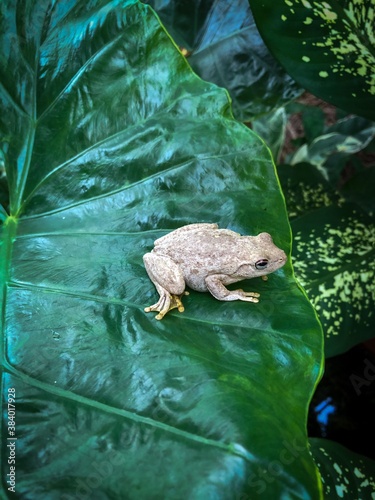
x,y
328,47
333,255
110,141
225,48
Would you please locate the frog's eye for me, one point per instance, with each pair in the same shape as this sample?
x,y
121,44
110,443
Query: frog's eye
x,y
261,264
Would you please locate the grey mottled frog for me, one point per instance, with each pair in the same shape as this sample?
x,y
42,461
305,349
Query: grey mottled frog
x,y
207,258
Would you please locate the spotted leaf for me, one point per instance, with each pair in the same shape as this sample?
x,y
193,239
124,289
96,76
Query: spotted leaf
x,y
333,256
345,474
328,47
305,189
334,259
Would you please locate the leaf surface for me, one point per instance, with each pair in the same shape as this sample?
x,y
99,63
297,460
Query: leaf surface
x,y
224,47
330,151
333,256
345,474
328,47
111,141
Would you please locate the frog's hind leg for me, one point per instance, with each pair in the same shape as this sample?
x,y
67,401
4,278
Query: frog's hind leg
x,y
169,282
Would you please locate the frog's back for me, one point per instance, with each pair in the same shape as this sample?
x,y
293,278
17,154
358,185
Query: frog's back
x,y
184,232
201,250
199,240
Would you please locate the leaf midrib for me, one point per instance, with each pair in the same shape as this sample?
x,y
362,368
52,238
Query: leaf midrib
x,y
232,448
121,302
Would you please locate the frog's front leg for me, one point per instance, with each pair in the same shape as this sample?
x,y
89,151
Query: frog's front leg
x,y
169,282
219,291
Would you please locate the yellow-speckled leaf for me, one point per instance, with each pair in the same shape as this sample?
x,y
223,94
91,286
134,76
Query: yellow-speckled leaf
x,y
328,47
333,256
306,189
345,474
334,259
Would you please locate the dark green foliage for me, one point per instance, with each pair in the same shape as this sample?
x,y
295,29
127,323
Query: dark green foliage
x,y
224,47
334,229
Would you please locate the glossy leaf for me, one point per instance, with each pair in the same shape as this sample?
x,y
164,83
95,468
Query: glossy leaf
x,y
345,474
333,256
111,141
224,47
328,47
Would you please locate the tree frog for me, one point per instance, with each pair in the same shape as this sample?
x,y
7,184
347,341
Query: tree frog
x,y
206,258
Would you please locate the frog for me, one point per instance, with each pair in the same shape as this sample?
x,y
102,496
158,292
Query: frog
x,y
205,258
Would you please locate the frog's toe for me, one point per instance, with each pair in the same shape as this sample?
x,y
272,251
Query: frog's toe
x,y
166,303
246,296
161,305
177,303
250,296
250,299
161,315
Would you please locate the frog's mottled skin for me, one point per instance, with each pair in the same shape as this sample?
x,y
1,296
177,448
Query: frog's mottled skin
x,y
207,258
